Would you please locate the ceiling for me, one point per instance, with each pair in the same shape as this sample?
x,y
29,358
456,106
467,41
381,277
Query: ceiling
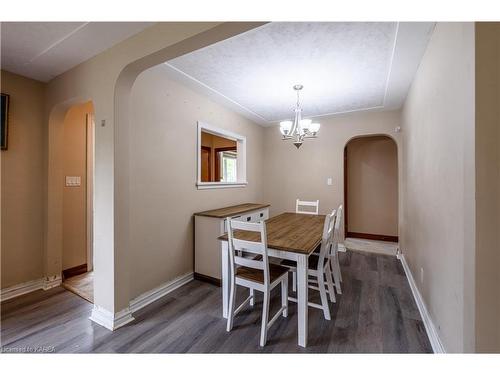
x,y
43,50
344,67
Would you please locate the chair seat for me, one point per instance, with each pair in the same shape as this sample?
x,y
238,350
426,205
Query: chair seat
x,y
313,263
252,274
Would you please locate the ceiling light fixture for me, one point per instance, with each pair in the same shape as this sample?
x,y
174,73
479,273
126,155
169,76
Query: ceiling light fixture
x,y
299,129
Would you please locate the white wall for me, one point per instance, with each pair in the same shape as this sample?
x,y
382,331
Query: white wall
x,y
163,172
438,167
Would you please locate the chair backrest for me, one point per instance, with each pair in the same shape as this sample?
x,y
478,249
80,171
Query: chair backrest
x,y
326,239
314,204
336,232
238,248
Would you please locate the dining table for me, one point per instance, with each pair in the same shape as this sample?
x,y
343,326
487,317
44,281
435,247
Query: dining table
x,y
290,236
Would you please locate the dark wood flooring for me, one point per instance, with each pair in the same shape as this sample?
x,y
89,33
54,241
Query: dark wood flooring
x,y
376,313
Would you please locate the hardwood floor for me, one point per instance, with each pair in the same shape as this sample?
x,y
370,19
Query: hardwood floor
x,y
376,313
82,285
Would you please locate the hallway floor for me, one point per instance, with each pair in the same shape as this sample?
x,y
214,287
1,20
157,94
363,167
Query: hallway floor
x,y
376,313
82,285
372,246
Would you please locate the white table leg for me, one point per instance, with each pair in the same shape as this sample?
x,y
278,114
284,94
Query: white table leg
x,y
302,299
225,278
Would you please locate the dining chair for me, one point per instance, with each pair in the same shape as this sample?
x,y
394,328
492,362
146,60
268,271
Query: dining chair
x,y
334,252
254,271
313,204
318,269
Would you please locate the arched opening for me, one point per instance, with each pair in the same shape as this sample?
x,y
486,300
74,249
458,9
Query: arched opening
x,y
371,188
70,188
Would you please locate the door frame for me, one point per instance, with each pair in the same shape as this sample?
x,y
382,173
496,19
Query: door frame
x,y
89,212
367,236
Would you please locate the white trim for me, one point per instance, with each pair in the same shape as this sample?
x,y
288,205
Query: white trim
x,y
154,294
50,282
241,166
214,94
437,345
220,185
20,289
112,321
30,286
90,166
109,320
341,247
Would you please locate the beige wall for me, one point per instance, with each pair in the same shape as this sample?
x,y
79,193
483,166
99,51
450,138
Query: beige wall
x,y
438,146
106,79
163,172
372,173
487,187
75,197
22,181
290,173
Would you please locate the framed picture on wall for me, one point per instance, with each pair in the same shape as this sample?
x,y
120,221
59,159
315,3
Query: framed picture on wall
x,y
4,120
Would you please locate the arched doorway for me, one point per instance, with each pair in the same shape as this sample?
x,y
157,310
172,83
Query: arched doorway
x,y
371,188
70,188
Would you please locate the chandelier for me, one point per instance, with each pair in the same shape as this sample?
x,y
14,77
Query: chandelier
x,y
298,129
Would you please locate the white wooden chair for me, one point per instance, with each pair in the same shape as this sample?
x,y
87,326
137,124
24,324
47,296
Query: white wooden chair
x,y
313,204
319,269
334,252
254,273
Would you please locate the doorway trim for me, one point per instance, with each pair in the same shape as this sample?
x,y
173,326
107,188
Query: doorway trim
x,y
89,212
368,236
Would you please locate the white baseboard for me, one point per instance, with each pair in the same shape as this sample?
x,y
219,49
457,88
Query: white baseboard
x,y
20,289
112,321
342,247
152,295
109,320
30,286
437,345
51,281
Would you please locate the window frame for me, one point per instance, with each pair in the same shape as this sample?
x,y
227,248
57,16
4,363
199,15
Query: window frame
x,y
241,141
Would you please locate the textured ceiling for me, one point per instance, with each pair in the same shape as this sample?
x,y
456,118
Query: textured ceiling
x,y
43,50
343,66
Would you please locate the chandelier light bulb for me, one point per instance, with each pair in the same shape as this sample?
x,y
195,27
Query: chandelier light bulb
x,y
285,127
305,124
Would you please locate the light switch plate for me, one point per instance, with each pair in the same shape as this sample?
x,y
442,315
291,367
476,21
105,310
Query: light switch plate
x,y
72,181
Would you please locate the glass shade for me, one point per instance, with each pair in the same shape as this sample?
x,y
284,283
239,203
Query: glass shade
x,y
305,124
314,127
285,127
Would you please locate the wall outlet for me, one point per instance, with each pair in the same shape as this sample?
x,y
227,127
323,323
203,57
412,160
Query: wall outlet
x,y
421,275
329,181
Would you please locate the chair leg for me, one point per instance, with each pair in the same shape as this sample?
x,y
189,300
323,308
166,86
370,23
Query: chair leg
x,y
230,315
322,294
337,264
329,282
252,294
284,296
294,281
337,275
265,317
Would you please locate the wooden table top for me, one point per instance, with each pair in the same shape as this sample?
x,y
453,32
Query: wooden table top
x,y
233,210
297,233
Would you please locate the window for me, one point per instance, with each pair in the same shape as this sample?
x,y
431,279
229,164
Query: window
x,y
221,158
228,165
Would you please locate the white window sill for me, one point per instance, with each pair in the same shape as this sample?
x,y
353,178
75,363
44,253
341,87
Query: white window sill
x,y
220,185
